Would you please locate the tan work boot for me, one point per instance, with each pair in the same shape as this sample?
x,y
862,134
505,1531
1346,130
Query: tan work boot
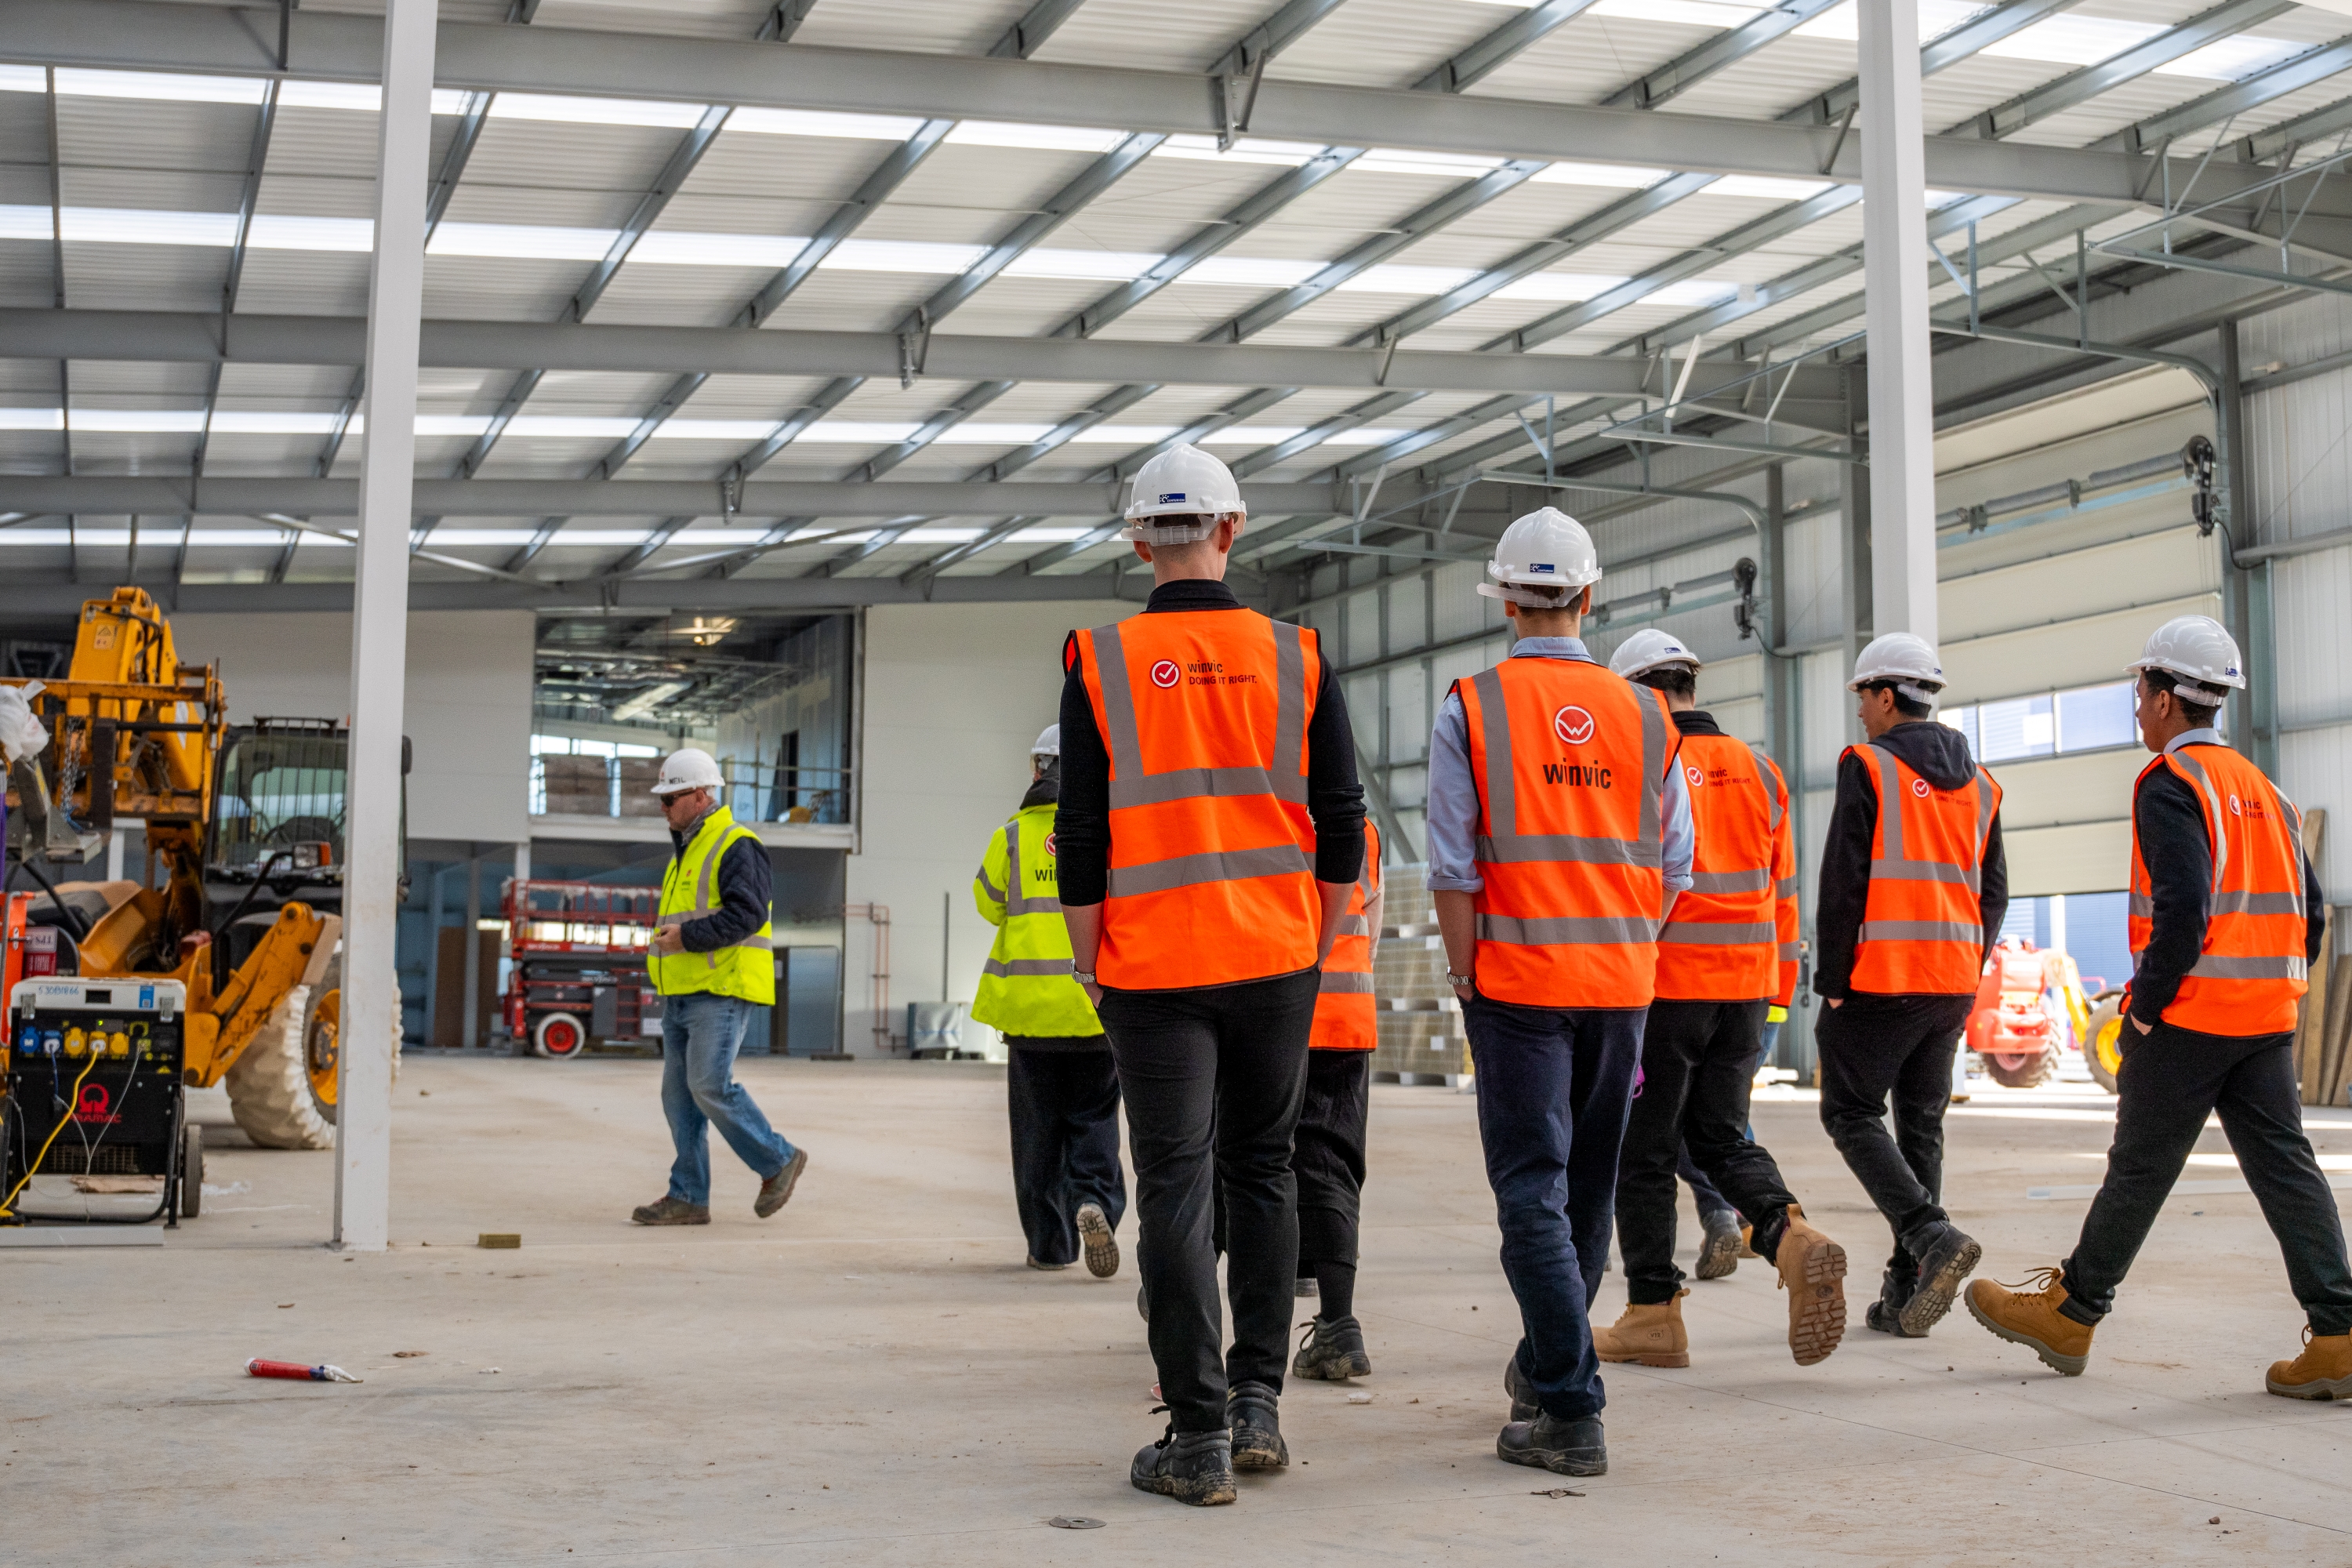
x,y
2030,1317
1650,1336
1812,1271
2324,1370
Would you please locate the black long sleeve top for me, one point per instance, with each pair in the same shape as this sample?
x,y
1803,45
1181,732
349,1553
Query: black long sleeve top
x,y
1940,755
745,885
1335,799
2177,847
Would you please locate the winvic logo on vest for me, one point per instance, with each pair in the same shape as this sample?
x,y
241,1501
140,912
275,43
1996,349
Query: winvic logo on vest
x,y
1573,725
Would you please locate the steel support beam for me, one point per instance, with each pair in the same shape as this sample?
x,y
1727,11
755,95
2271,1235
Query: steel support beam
x,y
143,35
1894,273
23,594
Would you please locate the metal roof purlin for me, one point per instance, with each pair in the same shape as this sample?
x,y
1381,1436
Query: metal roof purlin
x,y
1502,46
2081,85
1702,60
1946,49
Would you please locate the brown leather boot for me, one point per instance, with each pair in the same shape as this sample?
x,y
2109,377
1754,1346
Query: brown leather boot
x,y
2324,1370
2030,1317
1648,1335
1812,1271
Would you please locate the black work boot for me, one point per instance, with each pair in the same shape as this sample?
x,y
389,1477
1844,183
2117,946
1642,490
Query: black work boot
x,y
1885,1314
1332,1352
1718,1249
1252,1410
1523,1399
1549,1443
1196,1468
1946,1256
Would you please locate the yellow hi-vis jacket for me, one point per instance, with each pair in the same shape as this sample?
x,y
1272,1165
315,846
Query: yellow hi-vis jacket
x,y
1025,988
689,891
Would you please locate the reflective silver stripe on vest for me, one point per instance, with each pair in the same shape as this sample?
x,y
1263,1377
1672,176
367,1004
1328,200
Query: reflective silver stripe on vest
x,y
1511,931
1130,785
2213,966
1788,951
1890,788
2236,904
1922,930
1021,903
1773,801
1786,888
1754,881
1920,871
1706,933
1211,865
990,888
1350,980
2142,905
1504,845
708,884
2204,780
1007,966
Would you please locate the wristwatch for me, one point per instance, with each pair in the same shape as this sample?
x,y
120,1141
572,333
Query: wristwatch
x,y
1084,977
1454,979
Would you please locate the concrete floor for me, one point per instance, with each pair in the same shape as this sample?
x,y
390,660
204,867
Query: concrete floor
x,y
873,1377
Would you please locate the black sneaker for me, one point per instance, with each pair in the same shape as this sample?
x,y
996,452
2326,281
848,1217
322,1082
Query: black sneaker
x,y
1332,1352
1549,1443
1946,1261
1196,1468
1101,1245
1252,1410
1718,1253
1523,1400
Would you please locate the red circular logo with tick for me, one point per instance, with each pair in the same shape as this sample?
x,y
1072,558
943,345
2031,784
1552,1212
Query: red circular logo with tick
x,y
1050,848
1573,725
1919,788
1165,674
2237,807
1696,777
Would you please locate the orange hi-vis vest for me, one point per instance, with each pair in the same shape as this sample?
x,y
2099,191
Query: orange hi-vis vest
x,y
2250,973
1570,763
1732,934
1923,923
1345,1015
1204,714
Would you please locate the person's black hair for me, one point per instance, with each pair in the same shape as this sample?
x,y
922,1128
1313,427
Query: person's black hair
x,y
1674,679
1909,707
2200,715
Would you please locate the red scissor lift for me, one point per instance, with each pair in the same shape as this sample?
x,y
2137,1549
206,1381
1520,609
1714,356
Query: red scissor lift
x,y
578,974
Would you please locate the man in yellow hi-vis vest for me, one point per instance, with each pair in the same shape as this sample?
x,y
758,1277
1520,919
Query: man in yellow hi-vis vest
x,y
1061,1084
713,962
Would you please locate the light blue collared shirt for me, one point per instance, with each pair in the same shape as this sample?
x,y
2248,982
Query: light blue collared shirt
x,y
1452,807
2205,737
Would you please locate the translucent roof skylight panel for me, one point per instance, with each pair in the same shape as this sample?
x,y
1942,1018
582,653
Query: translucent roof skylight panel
x,y
527,457
316,195
580,394
974,195
495,288
1189,37
648,295
1180,313
1586,59
131,452
747,166
337,143
202,138
303,283
1384,43
685,18
916,26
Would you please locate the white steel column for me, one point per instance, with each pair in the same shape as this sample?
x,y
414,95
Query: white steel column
x,y
380,635
1894,281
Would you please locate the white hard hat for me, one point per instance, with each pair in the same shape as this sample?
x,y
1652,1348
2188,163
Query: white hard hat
x,y
691,768
1546,548
2198,650
1049,741
1906,660
1647,649
1182,481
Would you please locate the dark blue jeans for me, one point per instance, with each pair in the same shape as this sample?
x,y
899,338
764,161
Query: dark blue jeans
x,y
701,1032
1554,1086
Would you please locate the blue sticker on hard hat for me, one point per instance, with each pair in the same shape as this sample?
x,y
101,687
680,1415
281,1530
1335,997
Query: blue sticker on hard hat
x,y
2232,669
1172,498
1539,566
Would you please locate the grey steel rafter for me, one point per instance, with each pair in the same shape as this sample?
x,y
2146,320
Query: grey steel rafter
x,y
2080,86
1702,60
1502,46
870,194
233,277
1946,49
2248,93
1036,25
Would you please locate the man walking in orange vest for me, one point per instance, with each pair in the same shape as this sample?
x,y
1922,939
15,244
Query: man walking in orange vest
x,y
2226,917
1914,886
1559,832
1327,1151
1728,952
1209,837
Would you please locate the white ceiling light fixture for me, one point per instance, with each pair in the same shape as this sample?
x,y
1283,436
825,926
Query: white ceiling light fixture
x,y
644,701
646,111
822,122
1040,138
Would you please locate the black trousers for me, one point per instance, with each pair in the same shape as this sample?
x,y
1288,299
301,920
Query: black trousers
x,y
1064,1108
1213,1079
1327,1155
2171,1080
1698,1060
1874,1046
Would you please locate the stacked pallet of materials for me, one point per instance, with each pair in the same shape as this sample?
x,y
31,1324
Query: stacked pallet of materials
x,y
1420,1018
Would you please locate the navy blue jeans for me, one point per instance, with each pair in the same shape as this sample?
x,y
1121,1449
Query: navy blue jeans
x,y
701,1032
1554,1086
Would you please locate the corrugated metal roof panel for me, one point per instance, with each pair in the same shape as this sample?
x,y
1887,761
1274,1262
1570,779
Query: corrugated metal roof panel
x,y
920,27
1386,43
1191,35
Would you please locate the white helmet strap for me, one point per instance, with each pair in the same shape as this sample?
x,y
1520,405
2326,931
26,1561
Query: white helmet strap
x,y
1535,598
1144,530
2189,691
